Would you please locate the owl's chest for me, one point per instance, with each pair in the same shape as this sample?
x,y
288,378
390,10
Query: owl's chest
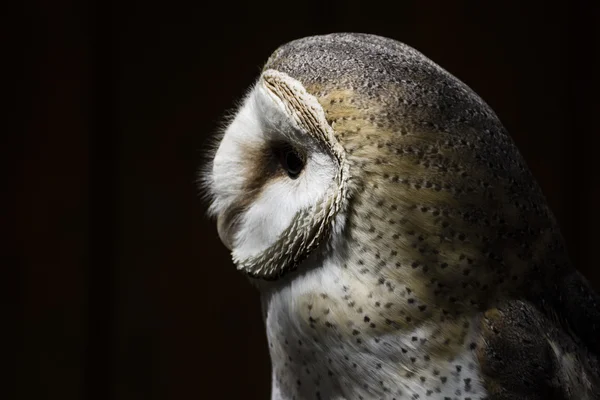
x,y
327,344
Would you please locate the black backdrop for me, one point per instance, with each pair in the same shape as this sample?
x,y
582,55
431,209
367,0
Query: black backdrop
x,y
123,288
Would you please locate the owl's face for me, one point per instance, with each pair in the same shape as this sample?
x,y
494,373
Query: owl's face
x,y
275,177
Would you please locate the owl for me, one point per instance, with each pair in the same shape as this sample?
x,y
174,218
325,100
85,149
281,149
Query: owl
x,y
400,244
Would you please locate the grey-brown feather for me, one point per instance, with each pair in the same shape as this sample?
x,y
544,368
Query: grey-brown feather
x,y
524,354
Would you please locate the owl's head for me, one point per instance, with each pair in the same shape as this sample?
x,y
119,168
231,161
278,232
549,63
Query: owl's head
x,y
361,138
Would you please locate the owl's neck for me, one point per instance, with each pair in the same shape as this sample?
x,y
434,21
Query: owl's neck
x,y
333,335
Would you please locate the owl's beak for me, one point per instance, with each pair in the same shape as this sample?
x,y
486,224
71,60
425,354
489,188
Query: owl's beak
x,y
224,229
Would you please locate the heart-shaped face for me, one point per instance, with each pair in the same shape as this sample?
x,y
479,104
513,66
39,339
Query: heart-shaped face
x,y
277,178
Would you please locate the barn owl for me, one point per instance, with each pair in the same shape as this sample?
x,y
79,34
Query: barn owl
x,y
400,244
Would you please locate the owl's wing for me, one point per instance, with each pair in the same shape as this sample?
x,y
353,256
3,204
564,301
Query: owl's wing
x,y
577,305
524,355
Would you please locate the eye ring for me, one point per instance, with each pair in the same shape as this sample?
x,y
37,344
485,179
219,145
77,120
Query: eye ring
x,y
291,160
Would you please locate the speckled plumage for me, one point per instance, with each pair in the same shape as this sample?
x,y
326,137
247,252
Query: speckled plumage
x,y
431,267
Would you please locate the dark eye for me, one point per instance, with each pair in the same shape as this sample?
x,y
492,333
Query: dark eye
x,y
291,161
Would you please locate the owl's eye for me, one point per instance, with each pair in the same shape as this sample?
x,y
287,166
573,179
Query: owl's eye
x,y
290,159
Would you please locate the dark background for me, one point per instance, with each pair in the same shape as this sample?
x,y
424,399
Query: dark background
x,y
123,288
